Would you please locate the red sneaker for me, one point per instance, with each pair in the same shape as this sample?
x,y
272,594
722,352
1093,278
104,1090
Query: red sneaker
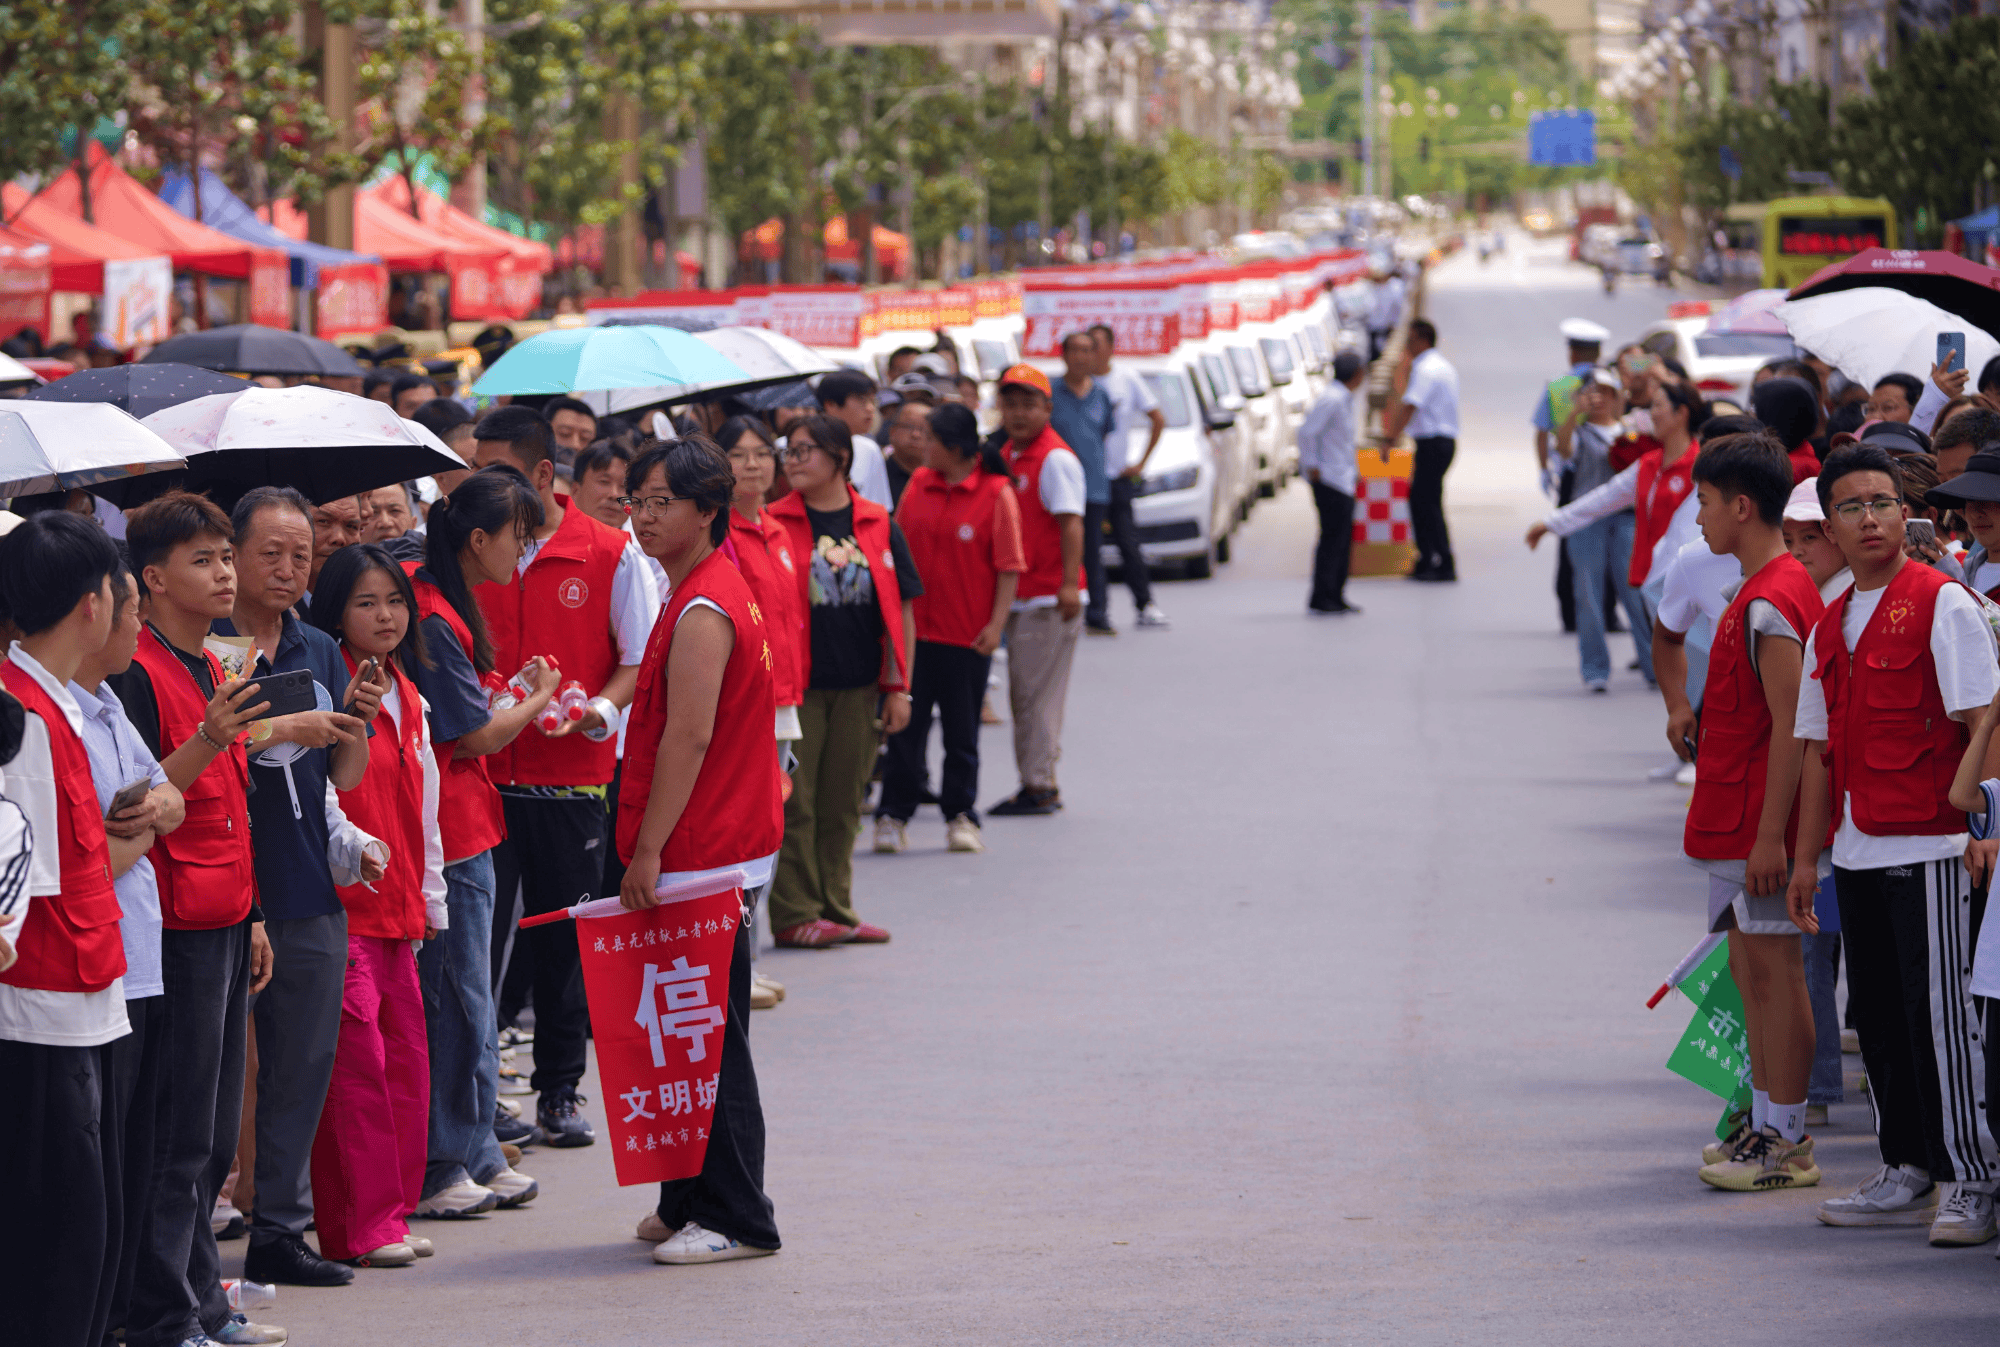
x,y
820,934
867,934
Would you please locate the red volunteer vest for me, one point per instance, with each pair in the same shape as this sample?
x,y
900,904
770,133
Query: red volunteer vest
x,y
1890,744
470,819
735,813
204,868
763,553
1041,535
389,804
1659,493
70,941
1736,720
871,534
560,609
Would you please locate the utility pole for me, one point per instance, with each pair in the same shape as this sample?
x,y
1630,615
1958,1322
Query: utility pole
x,y
1367,99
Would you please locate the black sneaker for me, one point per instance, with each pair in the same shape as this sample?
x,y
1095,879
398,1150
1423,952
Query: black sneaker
x,y
561,1121
1028,801
514,1131
290,1261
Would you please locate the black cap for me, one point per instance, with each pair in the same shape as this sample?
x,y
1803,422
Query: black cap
x,y
1897,438
1979,481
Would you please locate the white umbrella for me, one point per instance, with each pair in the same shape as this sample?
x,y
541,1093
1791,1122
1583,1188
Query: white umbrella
x,y
52,446
13,371
325,443
765,357
1871,331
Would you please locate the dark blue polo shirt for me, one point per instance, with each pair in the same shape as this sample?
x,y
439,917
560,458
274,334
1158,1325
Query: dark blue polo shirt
x,y
293,879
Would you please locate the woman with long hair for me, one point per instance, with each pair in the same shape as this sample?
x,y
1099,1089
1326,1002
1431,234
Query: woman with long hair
x,y
856,585
474,535
964,528
702,797
368,1158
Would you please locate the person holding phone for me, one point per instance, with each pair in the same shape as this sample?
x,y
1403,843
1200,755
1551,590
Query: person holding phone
x,y
368,1157
297,764
213,949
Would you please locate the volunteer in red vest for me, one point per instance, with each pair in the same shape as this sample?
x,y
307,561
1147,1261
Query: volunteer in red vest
x,y
1048,602
62,1001
583,599
474,536
1654,487
856,585
702,797
213,951
1742,824
762,551
368,1160
964,527
1891,671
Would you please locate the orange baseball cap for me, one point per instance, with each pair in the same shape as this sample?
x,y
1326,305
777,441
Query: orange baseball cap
x,y
1028,377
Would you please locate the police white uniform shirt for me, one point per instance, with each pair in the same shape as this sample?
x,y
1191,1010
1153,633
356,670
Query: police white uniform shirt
x,y
1433,391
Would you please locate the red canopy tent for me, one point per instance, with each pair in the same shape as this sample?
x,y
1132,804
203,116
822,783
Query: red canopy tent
x,y
585,247
120,205
892,251
407,244
24,284
77,251
520,278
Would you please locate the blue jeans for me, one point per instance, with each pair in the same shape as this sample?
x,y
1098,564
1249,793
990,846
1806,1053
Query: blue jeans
x,y
1601,554
455,970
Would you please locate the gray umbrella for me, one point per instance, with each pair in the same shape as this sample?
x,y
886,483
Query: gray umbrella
x,y
246,348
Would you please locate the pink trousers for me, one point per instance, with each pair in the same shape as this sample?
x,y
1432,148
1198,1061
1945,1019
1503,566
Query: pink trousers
x,y
368,1158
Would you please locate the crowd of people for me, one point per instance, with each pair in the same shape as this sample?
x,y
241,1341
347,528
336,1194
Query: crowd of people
x,y
1808,587
283,778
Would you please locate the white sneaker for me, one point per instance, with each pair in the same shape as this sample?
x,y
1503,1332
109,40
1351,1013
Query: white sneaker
x,y
890,836
762,997
222,1217
513,1188
962,834
1685,776
420,1246
511,1107
1964,1214
238,1331
1896,1195
652,1229
772,985
397,1254
1151,616
464,1198
696,1245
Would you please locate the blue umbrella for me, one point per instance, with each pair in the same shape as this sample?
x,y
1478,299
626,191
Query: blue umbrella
x,y
568,360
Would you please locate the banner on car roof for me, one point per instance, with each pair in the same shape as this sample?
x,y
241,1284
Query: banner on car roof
x,y
1144,317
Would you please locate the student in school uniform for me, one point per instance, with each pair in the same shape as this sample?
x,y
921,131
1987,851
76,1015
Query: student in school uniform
x,y
1742,822
368,1159
1892,670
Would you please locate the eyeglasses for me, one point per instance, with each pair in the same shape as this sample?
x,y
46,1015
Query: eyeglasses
x,y
799,453
1882,507
751,455
652,505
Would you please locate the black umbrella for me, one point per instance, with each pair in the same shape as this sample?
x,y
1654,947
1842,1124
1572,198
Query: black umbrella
x,y
138,389
247,348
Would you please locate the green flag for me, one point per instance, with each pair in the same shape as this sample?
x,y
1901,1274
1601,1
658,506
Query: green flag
x,y
1714,1052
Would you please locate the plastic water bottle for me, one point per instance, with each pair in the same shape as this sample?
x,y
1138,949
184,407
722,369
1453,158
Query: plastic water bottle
x,y
550,718
248,1295
573,700
520,686
499,696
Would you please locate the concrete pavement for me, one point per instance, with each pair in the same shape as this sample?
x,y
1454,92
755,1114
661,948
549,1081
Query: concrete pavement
x,y
1317,1017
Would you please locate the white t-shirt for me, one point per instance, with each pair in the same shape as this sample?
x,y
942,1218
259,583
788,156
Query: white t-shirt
x,y
1433,391
1697,584
1061,490
435,911
1962,648
870,474
27,1015
1987,578
1131,398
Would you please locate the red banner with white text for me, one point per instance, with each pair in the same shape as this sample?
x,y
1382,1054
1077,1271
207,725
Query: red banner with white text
x,y
270,289
658,985
353,299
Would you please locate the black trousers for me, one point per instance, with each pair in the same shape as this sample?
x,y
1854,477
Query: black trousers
x,y
1097,608
614,869
177,1285
1335,549
134,1076
1909,931
59,1226
1433,538
952,680
728,1195
1125,532
553,857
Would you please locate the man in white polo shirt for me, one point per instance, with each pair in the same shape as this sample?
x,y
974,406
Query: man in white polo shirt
x,y
1428,410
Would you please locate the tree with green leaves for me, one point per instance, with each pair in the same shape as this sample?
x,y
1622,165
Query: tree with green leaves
x,y
59,74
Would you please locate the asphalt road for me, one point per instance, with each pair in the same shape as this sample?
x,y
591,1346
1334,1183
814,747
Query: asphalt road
x,y
1317,1017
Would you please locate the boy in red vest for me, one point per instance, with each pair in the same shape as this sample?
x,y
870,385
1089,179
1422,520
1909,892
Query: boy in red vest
x,y
584,597
1741,825
1892,670
213,950
62,999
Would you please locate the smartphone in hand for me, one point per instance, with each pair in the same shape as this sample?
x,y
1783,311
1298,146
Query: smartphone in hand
x,y
128,796
1951,351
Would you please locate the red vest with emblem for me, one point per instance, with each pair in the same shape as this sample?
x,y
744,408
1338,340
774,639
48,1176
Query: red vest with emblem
x,y
1891,747
204,867
734,813
763,553
1728,799
1659,492
1041,534
70,941
470,819
560,609
871,535
389,804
